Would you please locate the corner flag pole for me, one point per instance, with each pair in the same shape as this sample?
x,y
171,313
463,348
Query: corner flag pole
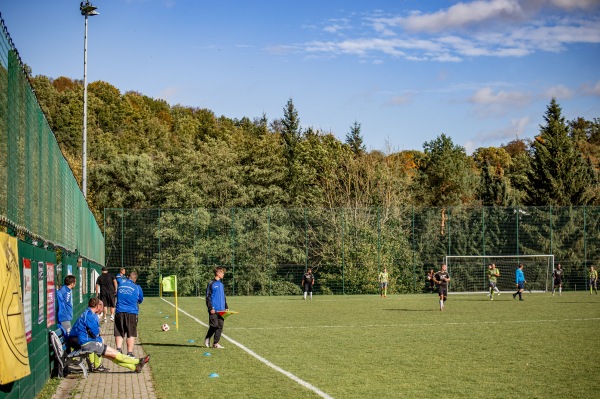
x,y
176,306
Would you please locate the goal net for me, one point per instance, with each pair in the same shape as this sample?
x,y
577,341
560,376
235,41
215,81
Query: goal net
x,y
469,273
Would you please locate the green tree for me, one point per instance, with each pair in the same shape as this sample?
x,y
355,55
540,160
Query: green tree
x,y
559,175
354,139
446,175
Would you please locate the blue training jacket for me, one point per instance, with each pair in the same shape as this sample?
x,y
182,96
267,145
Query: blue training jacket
x,y
64,299
215,296
129,296
87,327
519,276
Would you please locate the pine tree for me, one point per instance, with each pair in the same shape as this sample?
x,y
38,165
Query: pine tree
x,y
355,140
559,175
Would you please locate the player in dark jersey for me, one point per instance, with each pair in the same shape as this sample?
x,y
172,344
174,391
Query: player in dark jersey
x,y
308,280
557,274
106,289
441,279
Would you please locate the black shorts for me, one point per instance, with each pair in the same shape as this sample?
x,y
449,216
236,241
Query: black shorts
x,y
126,324
308,288
108,299
443,290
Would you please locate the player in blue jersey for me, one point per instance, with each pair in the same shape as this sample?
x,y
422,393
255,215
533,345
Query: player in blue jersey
x,y
64,299
129,296
86,332
215,302
520,281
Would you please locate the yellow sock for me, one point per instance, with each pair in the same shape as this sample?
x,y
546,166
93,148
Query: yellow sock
x,y
129,366
95,359
121,358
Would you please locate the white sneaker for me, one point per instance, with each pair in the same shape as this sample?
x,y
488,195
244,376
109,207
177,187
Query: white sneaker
x,y
105,319
207,342
112,317
218,346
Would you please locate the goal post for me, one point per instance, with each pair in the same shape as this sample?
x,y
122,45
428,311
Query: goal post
x,y
469,273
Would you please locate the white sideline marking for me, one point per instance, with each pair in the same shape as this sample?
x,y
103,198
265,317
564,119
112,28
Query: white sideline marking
x,y
260,358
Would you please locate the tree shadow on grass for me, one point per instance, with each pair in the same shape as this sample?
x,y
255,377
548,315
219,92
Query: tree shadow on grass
x,y
410,310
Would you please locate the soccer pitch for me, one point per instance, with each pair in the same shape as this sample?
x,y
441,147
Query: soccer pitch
x,y
365,346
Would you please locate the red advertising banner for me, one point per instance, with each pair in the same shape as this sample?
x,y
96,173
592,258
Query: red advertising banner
x,y
50,294
27,288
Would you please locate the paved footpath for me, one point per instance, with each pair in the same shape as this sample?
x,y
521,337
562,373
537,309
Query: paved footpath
x,y
119,382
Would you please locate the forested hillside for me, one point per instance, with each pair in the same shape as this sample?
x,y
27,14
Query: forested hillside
x,y
145,153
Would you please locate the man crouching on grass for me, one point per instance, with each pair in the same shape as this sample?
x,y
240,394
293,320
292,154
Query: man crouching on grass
x,y
215,302
87,332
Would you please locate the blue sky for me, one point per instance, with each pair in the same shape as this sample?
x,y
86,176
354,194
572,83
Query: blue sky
x,y
407,70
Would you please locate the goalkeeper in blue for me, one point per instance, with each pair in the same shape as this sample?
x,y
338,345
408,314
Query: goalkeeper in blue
x,y
520,280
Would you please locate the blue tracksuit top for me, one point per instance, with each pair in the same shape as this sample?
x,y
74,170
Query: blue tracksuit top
x,y
519,276
215,296
129,295
64,299
120,278
87,327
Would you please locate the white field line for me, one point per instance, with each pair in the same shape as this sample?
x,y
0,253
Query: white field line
x,y
260,358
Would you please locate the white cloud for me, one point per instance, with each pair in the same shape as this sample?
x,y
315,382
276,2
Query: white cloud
x,y
495,104
485,96
560,92
498,136
574,4
460,15
591,89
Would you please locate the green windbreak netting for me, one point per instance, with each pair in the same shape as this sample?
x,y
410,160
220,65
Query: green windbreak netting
x,y
40,199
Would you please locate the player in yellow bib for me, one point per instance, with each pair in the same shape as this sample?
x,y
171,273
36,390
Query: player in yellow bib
x,y
493,274
593,276
383,282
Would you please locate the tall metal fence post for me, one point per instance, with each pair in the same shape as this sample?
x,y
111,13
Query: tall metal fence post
x,y
159,242
343,255
414,250
269,250
305,241
233,250
378,241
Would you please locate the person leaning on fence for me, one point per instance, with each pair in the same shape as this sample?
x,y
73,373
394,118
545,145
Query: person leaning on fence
x,y
87,332
129,296
64,300
593,276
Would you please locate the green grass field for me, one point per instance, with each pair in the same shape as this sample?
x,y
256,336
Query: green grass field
x,y
366,346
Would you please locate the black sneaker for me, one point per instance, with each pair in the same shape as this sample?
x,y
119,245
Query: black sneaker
x,y
100,369
514,296
130,354
140,365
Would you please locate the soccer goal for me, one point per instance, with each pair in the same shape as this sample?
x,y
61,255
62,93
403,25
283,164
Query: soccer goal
x,y
469,273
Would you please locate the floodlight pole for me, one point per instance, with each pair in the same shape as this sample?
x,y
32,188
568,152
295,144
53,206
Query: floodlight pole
x,y
87,9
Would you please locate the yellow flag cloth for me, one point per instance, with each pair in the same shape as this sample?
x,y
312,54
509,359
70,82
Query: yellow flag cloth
x,y
169,284
14,359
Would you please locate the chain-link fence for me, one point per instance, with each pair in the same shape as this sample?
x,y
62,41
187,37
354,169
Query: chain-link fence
x,y
267,250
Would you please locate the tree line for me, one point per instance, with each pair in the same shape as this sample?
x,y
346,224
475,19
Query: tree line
x,y
145,153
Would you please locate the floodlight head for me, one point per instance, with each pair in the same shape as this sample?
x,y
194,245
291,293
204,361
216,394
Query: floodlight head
x,y
88,9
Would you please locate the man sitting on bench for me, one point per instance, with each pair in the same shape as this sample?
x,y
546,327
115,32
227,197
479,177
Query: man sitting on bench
x,y
87,332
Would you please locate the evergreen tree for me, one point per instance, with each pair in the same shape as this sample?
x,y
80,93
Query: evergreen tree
x,y
355,140
446,174
559,175
291,131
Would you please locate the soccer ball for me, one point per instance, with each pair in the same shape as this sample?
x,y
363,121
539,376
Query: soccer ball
x,y
165,327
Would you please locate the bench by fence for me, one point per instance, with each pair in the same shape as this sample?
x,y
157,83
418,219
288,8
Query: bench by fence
x,y
66,360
